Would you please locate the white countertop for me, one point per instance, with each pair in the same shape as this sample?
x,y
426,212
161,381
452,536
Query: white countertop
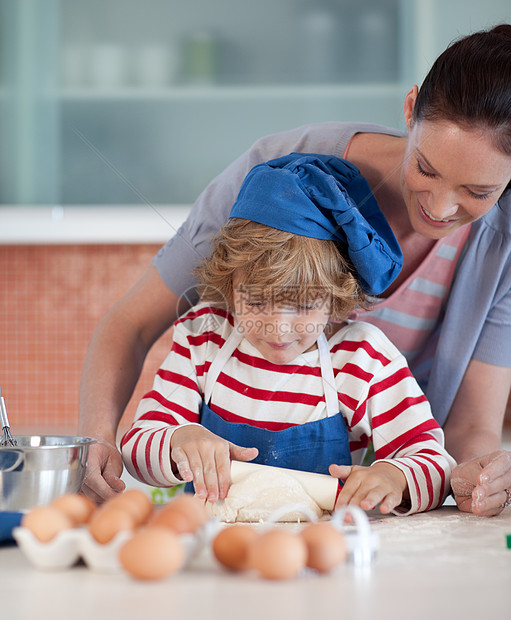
x,y
56,224
442,564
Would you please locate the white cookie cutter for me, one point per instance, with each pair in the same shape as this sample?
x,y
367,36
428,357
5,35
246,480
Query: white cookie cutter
x,y
361,542
282,511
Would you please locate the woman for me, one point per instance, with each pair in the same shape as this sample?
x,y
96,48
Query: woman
x,y
442,188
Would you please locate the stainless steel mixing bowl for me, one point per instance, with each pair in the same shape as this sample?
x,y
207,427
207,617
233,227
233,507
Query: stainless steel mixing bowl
x,y
40,468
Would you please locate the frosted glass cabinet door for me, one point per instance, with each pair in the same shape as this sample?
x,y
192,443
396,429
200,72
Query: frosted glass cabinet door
x,y
122,101
131,101
30,119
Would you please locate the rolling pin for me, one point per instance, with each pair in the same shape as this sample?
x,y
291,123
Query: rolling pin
x,y
321,487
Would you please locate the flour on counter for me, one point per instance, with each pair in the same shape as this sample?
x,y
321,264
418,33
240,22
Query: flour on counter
x,y
255,497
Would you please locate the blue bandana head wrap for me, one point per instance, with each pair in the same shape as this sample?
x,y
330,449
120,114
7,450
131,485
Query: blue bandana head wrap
x,y
324,197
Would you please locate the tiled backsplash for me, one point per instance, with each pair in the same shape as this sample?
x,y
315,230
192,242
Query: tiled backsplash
x,y
51,299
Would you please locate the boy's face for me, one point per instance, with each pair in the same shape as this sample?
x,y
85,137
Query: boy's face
x,y
279,331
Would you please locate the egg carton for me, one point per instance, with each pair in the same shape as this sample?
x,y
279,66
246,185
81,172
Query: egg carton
x,y
70,546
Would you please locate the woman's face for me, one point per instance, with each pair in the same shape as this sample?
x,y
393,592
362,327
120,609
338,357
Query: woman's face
x,y
451,176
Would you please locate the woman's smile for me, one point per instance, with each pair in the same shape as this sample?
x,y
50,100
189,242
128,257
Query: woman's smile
x,y
434,221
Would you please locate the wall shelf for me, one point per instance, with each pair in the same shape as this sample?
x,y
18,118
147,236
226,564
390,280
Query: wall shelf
x,y
233,93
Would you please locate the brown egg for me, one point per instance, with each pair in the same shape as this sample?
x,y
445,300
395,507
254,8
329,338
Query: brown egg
x,y
184,514
152,553
108,521
134,501
326,547
45,522
193,507
278,554
231,546
174,520
76,506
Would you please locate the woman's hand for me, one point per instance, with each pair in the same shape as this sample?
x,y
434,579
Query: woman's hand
x,y
473,435
479,485
381,483
104,468
201,457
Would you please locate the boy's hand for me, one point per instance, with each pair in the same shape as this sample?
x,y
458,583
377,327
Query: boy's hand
x,y
201,457
382,484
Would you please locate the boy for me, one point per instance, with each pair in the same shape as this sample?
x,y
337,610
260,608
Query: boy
x,y
267,368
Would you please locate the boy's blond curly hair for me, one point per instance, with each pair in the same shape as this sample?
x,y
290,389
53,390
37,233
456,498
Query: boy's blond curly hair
x,y
279,266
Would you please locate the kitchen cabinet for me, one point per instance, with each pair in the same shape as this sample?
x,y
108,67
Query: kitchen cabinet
x,y
129,102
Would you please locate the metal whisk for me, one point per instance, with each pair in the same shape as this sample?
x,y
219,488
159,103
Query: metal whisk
x,y
7,438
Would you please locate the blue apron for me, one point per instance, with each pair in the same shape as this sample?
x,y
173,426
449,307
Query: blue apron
x,y
312,446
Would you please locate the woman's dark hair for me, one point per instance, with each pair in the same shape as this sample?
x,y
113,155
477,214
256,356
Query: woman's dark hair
x,y
470,84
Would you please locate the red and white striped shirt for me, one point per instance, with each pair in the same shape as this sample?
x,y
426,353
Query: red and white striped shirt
x,y
378,397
